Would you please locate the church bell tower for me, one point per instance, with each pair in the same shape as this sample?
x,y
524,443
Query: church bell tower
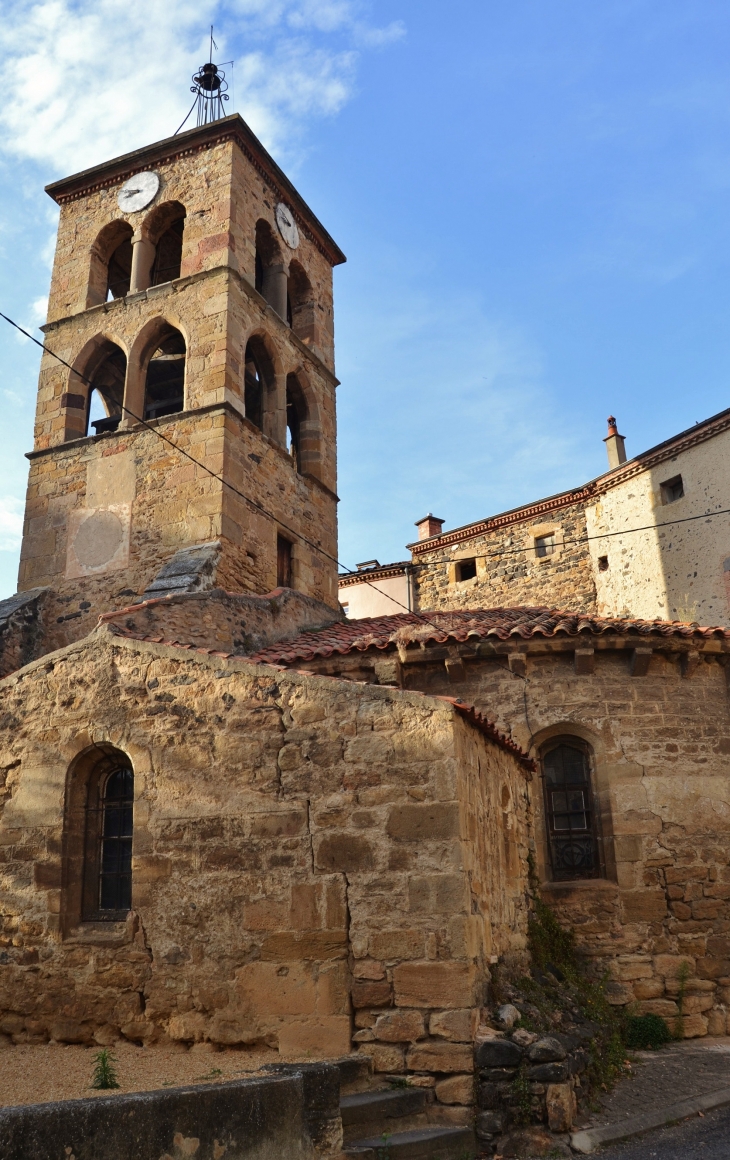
x,y
192,297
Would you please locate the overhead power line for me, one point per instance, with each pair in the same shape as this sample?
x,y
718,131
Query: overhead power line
x,y
318,548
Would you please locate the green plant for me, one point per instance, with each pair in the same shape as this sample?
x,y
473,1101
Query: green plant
x,y
212,1074
521,1096
682,977
105,1076
647,1032
384,1152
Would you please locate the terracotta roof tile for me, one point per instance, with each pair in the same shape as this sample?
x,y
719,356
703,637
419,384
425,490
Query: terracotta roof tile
x,y
504,624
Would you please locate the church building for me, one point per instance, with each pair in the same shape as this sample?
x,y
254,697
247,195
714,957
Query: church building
x,y
231,815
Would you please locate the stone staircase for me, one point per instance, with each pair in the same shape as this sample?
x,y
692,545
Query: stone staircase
x,y
382,1122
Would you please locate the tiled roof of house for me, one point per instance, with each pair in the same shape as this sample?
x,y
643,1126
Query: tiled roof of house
x,y
504,624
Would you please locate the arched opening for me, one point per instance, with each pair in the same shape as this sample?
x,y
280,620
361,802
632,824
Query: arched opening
x,y
570,813
297,414
165,380
270,275
168,255
258,379
98,836
110,267
119,270
106,393
301,307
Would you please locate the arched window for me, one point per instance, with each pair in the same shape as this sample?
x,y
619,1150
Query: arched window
x,y
107,868
106,395
258,380
168,256
569,809
119,270
165,381
111,264
296,415
301,312
270,276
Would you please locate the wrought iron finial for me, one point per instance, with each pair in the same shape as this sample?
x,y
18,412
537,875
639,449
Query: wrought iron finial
x,y
210,89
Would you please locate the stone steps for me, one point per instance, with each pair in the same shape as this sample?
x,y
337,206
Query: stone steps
x,y
418,1144
365,1113
394,1123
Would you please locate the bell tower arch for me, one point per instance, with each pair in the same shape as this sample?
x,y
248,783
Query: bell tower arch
x,y
195,283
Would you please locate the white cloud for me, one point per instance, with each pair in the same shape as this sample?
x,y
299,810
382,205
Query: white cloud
x,y
39,309
11,523
105,76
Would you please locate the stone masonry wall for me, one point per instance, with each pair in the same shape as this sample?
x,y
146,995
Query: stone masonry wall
x,y
166,503
660,743
508,570
302,846
219,620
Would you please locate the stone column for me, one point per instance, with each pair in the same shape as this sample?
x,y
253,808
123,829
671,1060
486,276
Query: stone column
x,y
143,256
274,288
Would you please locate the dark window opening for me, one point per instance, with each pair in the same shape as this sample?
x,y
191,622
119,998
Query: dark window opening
x,y
672,490
165,383
466,569
283,562
168,257
570,814
289,315
259,273
107,886
603,563
119,274
545,545
253,398
106,395
296,414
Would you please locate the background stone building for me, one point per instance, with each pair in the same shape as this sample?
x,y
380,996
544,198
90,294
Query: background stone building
x,y
579,549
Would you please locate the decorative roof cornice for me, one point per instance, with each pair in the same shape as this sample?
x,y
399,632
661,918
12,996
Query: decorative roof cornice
x,y
369,574
684,441
233,128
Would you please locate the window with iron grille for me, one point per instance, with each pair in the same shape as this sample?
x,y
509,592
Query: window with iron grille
x,y
107,893
570,814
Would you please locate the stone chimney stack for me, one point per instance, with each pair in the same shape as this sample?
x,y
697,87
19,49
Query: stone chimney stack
x,y
430,526
614,445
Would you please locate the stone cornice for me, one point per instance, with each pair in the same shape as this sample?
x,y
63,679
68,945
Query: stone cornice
x,y
369,574
678,444
233,128
178,285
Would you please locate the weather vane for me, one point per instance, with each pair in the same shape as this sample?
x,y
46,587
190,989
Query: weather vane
x,y
210,89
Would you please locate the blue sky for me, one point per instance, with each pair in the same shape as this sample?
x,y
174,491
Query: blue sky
x,y
533,198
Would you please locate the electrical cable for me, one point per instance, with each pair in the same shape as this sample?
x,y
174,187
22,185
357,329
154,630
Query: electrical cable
x,y
347,571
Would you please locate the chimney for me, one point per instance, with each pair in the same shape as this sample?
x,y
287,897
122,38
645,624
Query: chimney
x,y
614,445
429,526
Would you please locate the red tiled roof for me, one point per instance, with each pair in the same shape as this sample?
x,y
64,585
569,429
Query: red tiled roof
x,y
470,712
504,624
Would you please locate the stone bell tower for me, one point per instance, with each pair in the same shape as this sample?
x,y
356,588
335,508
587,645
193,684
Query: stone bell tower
x,y
192,296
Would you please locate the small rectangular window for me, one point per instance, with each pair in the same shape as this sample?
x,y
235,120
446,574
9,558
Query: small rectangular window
x,y
545,545
283,562
466,569
603,563
672,489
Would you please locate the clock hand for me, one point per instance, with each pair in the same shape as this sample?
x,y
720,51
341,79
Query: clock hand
x,y
131,192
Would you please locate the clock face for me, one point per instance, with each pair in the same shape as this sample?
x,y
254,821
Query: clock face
x,y
138,192
287,225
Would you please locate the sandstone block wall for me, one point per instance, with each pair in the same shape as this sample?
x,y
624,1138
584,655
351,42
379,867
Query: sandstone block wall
x,y
222,621
660,743
303,848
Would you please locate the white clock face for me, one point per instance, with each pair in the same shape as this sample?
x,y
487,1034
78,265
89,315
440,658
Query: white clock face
x,y
138,192
287,225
